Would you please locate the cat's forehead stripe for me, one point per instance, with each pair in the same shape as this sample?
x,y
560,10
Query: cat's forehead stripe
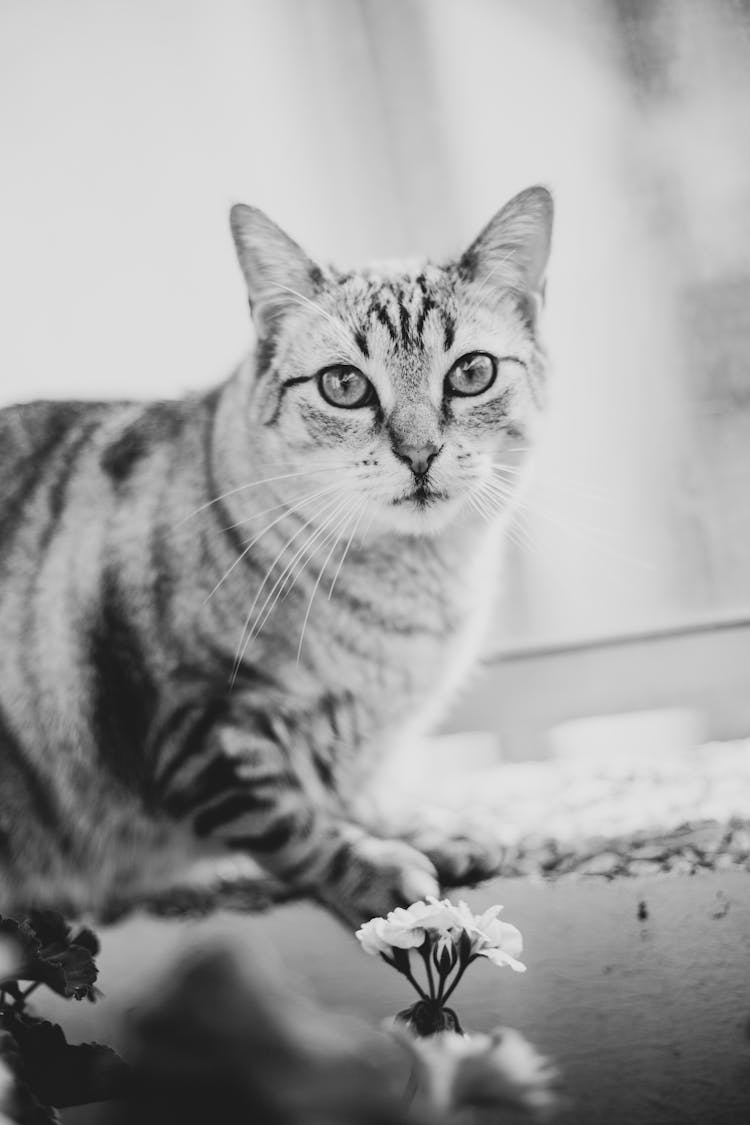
x,y
402,307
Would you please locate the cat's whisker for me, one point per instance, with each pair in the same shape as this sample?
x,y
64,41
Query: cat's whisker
x,y
328,512
491,507
557,491
560,575
257,484
340,530
487,505
523,544
521,523
251,543
367,527
282,583
522,536
478,509
519,532
326,506
590,535
347,512
296,501
562,484
291,577
346,548
508,489
513,531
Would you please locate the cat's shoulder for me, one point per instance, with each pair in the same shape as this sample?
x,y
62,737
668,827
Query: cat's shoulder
x,y
35,433
31,430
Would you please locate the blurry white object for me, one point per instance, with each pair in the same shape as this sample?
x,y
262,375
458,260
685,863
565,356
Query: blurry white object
x,y
628,739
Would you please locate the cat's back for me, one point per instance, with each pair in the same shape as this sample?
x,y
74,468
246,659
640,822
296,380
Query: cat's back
x,y
47,448
33,437
39,445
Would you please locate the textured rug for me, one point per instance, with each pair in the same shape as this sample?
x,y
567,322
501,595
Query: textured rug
x,y
602,814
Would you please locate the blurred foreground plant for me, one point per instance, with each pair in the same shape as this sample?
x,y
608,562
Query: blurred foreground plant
x,y
222,1038
39,1069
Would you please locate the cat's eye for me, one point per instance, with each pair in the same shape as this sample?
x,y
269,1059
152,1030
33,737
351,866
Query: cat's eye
x,y
471,374
346,387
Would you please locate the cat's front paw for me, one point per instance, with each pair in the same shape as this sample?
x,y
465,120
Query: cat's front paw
x,y
370,877
463,853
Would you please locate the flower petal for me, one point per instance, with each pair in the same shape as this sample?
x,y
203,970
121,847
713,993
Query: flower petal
x,y
502,935
500,958
401,937
370,936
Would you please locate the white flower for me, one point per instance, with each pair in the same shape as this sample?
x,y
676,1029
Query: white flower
x,y
500,942
448,936
370,934
408,928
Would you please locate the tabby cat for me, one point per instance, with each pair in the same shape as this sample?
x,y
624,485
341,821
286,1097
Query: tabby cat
x,y
218,613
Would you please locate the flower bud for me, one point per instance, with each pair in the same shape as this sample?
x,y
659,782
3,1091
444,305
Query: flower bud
x,y
445,960
427,1017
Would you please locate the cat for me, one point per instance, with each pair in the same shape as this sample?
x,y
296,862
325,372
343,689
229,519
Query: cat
x,y
219,613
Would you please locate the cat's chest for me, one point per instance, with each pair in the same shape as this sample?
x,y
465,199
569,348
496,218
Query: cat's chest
x,y
401,641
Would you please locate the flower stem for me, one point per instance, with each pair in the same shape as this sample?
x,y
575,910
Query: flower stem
x,y
456,979
424,951
405,972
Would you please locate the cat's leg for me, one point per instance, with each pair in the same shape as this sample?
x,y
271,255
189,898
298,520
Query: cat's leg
x,y
464,847
245,787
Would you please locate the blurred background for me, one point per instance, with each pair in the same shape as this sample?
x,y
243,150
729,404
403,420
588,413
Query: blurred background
x,y
376,128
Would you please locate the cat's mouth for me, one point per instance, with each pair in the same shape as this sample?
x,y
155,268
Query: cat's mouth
x,y
423,495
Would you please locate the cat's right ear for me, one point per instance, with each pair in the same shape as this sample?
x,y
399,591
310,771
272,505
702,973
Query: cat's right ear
x,y
277,271
513,248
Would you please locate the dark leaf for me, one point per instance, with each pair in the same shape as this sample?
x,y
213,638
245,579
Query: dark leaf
x,y
48,953
88,940
50,928
62,1074
19,1104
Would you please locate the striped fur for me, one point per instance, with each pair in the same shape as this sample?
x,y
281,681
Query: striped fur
x,y
219,613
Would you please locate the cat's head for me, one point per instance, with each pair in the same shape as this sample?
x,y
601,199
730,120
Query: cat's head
x,y
411,391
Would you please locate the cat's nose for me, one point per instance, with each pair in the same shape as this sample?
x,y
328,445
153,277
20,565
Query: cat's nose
x,y
418,457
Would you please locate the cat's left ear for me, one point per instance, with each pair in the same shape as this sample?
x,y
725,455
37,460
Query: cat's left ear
x,y
277,271
513,248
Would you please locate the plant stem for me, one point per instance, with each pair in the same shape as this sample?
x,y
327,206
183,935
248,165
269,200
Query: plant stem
x,y
441,986
456,979
424,951
405,973
420,990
